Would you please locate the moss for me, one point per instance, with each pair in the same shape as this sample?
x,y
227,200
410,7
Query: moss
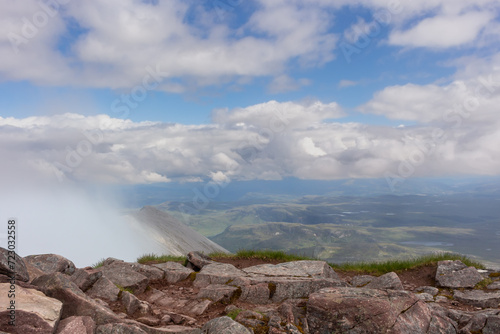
x,y
234,313
272,289
484,283
495,275
123,289
192,276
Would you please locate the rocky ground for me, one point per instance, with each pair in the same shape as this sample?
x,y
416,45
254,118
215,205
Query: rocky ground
x,y
52,296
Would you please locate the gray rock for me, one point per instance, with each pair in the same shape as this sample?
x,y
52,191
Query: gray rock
x,y
455,274
174,272
10,263
217,273
122,274
76,325
387,281
198,260
218,293
433,291
494,286
316,269
104,289
119,329
361,280
224,325
51,263
476,323
441,325
149,320
85,278
33,310
75,302
492,325
478,298
366,311
425,297
130,302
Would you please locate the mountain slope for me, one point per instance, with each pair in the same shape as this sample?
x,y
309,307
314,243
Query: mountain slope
x,y
172,235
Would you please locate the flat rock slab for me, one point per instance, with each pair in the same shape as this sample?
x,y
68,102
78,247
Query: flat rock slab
x,y
455,274
33,310
494,286
478,298
306,268
76,325
389,281
361,310
121,274
174,272
218,293
51,263
85,278
11,262
217,273
224,325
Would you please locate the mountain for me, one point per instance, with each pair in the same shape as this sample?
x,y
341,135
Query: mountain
x,y
172,235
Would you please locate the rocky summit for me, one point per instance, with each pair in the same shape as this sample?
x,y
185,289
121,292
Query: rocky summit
x,y
204,296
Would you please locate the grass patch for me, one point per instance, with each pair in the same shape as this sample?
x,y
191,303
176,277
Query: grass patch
x,y
122,289
483,284
99,263
153,258
261,254
234,313
399,265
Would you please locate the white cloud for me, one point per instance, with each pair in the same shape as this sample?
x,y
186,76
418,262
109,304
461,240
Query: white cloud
x,y
347,83
361,28
284,83
443,31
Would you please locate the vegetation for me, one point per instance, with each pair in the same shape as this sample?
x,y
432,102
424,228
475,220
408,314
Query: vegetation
x,y
234,313
153,258
122,289
399,265
484,283
98,263
265,254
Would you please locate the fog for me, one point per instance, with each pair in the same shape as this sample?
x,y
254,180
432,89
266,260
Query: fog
x,y
83,224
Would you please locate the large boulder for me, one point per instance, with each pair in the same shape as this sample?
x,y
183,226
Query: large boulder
x,y
478,298
217,273
86,277
10,263
51,263
198,260
75,302
122,274
389,281
174,272
224,325
455,274
355,310
492,325
119,328
76,325
34,311
104,289
218,293
306,268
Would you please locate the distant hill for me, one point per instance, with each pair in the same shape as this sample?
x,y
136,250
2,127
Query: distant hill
x,y
172,235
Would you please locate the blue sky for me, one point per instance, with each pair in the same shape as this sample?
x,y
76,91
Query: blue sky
x,y
177,90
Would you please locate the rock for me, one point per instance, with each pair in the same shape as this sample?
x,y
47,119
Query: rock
x,y
33,272
366,311
122,275
197,307
199,260
387,281
51,263
316,269
455,274
428,289
34,311
149,320
475,324
478,298
174,272
224,325
181,319
425,297
218,293
119,328
492,325
361,280
75,302
130,302
217,273
442,325
494,286
76,325
85,278
11,262
151,272
104,289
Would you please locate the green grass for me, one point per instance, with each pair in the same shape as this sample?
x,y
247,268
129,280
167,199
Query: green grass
x,y
98,263
260,254
153,258
399,265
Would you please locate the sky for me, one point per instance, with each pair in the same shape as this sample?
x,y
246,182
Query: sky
x,y
140,92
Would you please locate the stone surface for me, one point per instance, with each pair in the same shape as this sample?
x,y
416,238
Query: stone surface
x,y
425,297
224,325
218,293
387,281
361,280
198,260
217,273
130,302
103,288
494,286
10,262
76,325
317,269
122,274
51,263
85,278
433,291
75,302
119,329
492,325
33,310
364,310
174,272
478,298
455,274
